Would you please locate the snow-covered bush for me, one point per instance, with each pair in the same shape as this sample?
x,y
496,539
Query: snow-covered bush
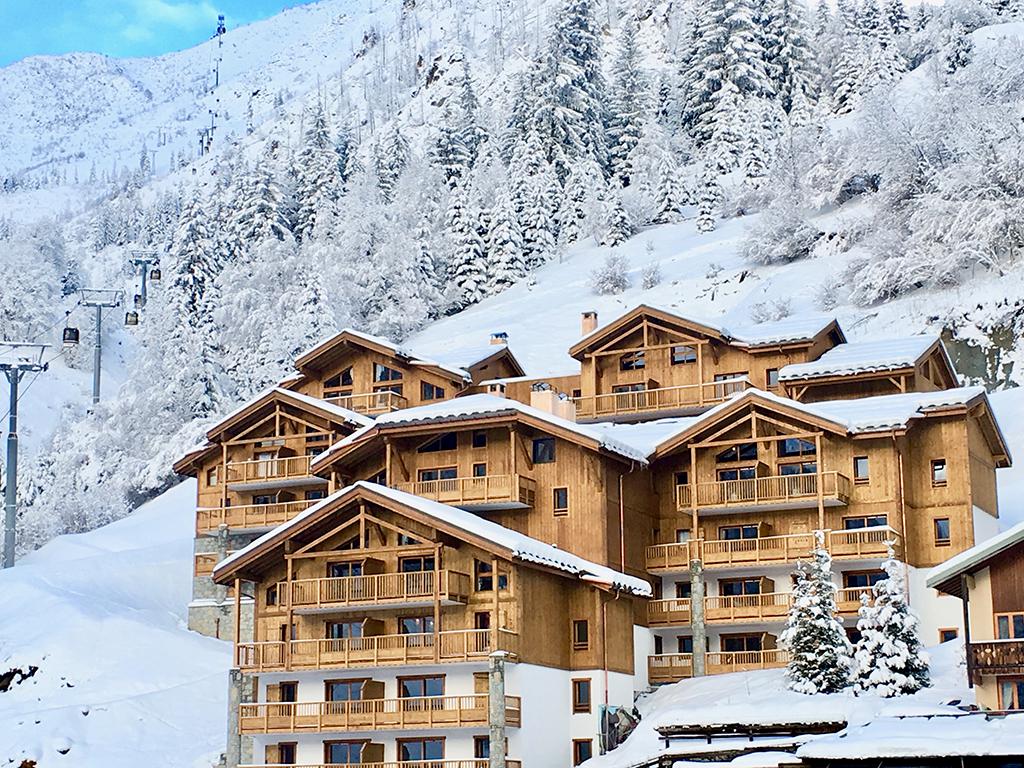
x,y
771,310
650,275
781,235
612,277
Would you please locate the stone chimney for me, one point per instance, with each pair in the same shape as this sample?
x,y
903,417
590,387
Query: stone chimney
x,y
499,338
588,323
544,398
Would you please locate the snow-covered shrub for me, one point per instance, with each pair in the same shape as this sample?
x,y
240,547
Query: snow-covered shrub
x,y
771,310
612,277
650,275
782,234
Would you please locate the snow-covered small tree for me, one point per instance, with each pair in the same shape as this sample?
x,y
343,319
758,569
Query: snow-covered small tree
x,y
820,654
612,277
650,275
709,198
958,48
616,227
390,156
628,103
889,658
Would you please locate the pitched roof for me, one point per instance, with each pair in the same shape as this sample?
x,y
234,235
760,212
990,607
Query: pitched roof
x,y
945,577
867,357
468,357
515,545
380,344
297,398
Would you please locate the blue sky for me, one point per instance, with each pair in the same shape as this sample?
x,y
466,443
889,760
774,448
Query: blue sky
x,y
119,27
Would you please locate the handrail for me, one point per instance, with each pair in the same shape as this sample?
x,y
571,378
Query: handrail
x,y
771,489
1006,655
279,468
670,667
474,490
660,398
250,515
376,588
382,401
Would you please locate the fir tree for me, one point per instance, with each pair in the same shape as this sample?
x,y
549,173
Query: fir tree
x,y
628,103
709,197
469,258
390,156
896,16
616,226
889,659
958,49
788,54
318,181
819,652
505,245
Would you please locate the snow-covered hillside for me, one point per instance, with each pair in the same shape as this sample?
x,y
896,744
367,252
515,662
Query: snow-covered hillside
x,y
118,681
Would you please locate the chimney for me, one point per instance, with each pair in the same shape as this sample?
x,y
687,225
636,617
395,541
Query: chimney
x,y
544,398
500,337
496,388
588,323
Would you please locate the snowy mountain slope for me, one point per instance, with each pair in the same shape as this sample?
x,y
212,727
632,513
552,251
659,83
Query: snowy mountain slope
x,y
120,681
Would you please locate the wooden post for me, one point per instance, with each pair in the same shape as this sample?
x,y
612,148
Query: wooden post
x,y
821,481
494,618
512,449
700,373
388,480
437,603
289,618
238,622
965,599
697,622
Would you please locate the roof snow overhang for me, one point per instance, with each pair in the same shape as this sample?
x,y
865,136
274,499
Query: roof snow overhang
x,y
821,371
946,576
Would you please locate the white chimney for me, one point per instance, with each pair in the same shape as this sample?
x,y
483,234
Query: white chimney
x,y
544,398
496,388
588,323
499,337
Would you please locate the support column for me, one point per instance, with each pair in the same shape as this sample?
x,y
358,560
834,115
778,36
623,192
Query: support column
x,y
11,476
97,355
233,752
221,590
496,709
700,634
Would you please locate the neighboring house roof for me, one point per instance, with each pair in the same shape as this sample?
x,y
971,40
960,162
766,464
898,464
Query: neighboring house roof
x,y
880,356
946,577
325,349
470,357
457,522
800,329
482,406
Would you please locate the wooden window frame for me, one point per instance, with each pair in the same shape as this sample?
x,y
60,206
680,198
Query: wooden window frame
x,y
554,450
420,471
861,572
948,541
400,679
327,748
576,743
417,617
410,740
943,630
740,459
1009,615
328,624
293,744
476,465
741,527
999,692
682,360
738,469
383,367
679,643
579,645
479,438
423,448
810,449
769,374
580,707
866,477
945,471
431,392
213,476
633,361
745,635
345,681
556,509
403,558
478,754
864,518
743,580
271,592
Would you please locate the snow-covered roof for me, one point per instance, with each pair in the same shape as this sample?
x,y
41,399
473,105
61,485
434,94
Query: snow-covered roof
x,y
343,414
482,405
972,558
863,357
408,355
522,547
939,736
466,357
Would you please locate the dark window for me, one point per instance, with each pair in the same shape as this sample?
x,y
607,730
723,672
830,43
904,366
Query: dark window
x,y
682,478
343,690
431,392
683,589
420,749
632,361
771,378
798,468
449,441
315,495
581,695
263,499
684,644
479,439
479,470
343,752
683,354
561,501
289,692
739,473
543,450
437,473
339,630
793,446
415,625
484,574
659,645
938,472
286,753
416,564
343,379
580,634
272,595
582,750
744,452
481,747
1011,693
945,635
733,532
406,541
417,687
738,587
862,579
341,570
867,521
283,632
1010,626
942,531
861,469
383,373
740,643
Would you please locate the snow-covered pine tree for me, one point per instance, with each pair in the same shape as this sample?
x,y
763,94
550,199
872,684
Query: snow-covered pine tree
x,y
889,659
628,102
449,151
958,49
258,213
709,198
504,245
616,226
896,15
469,267
820,655
346,148
536,189
317,180
390,156
788,54
580,198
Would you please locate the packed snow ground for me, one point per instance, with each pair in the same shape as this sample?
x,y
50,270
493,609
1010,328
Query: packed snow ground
x,y
121,683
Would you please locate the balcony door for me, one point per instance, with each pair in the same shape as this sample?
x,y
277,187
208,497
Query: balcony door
x,y
420,750
343,752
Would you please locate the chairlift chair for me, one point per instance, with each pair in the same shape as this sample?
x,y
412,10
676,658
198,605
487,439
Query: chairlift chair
x,y
131,318
71,336
154,274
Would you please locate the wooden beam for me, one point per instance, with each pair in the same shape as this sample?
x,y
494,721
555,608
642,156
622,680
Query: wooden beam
x,y
820,479
238,621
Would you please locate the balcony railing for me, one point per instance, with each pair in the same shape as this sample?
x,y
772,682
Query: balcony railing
x,y
764,549
997,657
774,490
404,764
668,612
250,515
767,606
376,589
373,714
684,396
375,650
866,543
673,667
259,470
489,489
370,402
848,599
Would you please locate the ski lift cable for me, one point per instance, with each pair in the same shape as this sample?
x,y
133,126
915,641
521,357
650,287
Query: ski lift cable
x,y
63,320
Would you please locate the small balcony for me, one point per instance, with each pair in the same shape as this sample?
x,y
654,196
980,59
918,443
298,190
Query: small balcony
x,y
766,606
685,398
774,491
373,714
487,492
251,517
673,667
458,645
281,472
385,590
865,543
997,657
671,612
848,600
370,403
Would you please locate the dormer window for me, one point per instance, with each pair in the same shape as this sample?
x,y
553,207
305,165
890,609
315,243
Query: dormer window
x,y
743,452
796,447
632,361
383,373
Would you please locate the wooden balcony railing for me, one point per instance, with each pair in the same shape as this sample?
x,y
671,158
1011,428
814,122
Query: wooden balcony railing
x,y
864,542
375,650
373,714
776,490
997,657
250,515
376,589
764,549
489,489
405,764
669,612
673,667
767,606
848,599
370,402
659,399
258,470
672,557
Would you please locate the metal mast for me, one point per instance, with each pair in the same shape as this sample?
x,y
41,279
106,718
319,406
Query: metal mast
x,y
99,299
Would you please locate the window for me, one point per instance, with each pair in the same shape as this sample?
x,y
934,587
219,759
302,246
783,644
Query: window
x,y
684,644
437,473
938,473
288,692
743,452
343,570
383,373
543,450
793,446
738,587
741,643
263,499
632,361
417,750
340,630
798,468
948,633
211,476
561,501
482,620
683,590
479,470
683,354
415,625
431,392
582,750
1011,693
682,535
771,378
282,632
862,579
581,695
861,470
416,564
286,752
1010,626
449,441
481,747
272,595
733,532
484,577
420,686
739,473
343,690
864,521
942,531
343,752
682,478
314,495
580,634
343,379
406,541
479,439
659,645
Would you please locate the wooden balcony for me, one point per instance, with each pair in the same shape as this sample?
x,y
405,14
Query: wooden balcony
x,y
672,557
864,543
370,402
384,589
848,599
673,667
268,473
373,714
764,550
404,764
487,492
793,491
767,606
997,657
375,650
682,398
249,516
670,612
